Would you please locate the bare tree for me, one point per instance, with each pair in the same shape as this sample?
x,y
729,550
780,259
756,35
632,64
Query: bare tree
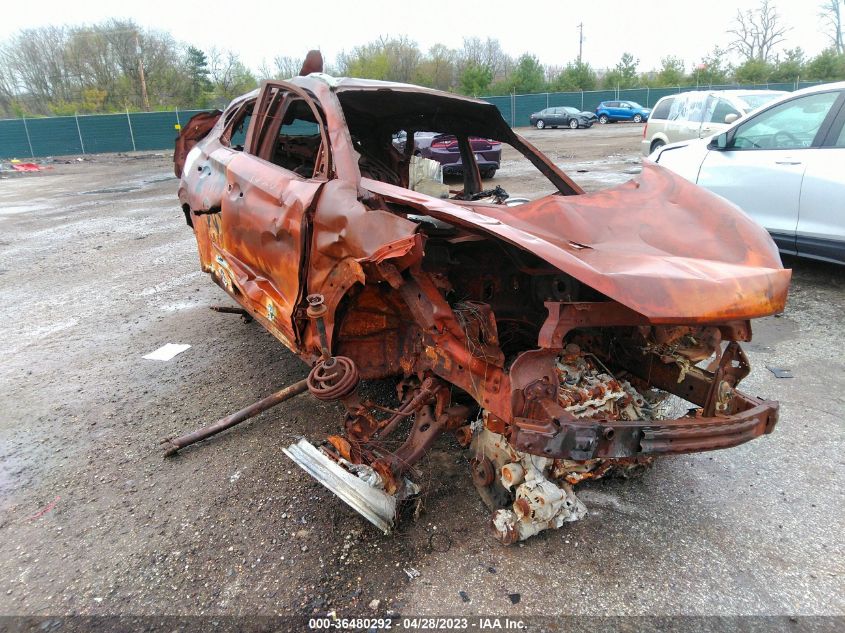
x,y
757,32
8,85
228,75
66,69
283,67
286,66
831,12
391,58
486,54
220,68
35,57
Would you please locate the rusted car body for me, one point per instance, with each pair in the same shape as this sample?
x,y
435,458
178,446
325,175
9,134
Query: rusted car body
x,y
547,335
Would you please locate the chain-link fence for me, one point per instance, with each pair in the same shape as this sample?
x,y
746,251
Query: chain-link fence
x,y
138,131
516,109
90,133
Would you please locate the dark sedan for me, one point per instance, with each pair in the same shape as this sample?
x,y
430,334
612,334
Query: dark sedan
x,y
444,149
563,116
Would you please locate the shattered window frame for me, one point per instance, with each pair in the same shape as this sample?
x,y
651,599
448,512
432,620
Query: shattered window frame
x,y
234,120
274,101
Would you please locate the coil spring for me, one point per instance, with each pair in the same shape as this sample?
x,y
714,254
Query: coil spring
x,y
333,378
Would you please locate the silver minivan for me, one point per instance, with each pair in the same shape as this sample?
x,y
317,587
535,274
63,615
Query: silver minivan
x,y
699,113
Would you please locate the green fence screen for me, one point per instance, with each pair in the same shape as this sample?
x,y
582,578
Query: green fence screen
x,y
145,131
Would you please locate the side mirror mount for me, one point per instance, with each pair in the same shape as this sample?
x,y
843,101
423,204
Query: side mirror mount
x,y
720,142
730,118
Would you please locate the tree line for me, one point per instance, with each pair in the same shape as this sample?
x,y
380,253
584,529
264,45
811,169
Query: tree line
x,y
116,65
113,66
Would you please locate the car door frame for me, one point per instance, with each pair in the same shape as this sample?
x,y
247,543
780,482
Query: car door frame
x,y
266,217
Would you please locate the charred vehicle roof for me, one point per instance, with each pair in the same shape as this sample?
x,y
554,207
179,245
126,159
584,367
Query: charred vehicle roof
x,y
560,339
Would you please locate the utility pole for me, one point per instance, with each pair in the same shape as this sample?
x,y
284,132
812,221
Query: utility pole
x,y
580,41
144,98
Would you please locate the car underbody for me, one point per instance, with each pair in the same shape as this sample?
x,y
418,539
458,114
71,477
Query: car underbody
x,y
568,338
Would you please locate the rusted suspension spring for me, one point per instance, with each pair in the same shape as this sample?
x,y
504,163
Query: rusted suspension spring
x,y
333,378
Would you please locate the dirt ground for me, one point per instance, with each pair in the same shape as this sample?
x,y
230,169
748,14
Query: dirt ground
x,y
97,268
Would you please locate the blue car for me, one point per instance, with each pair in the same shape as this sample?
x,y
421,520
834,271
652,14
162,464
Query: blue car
x,y
608,111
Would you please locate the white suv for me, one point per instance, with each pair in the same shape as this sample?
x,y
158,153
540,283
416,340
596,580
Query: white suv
x,y
700,113
784,165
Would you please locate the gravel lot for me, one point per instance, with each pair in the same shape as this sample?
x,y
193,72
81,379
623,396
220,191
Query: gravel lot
x,y
97,268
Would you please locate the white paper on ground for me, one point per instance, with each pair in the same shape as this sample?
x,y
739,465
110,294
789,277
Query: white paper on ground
x,y
166,352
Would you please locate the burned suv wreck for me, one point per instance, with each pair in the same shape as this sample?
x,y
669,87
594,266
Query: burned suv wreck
x,y
559,339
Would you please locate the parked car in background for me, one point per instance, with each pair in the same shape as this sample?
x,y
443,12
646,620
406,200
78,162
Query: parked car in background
x,y
444,149
700,113
608,111
784,165
562,116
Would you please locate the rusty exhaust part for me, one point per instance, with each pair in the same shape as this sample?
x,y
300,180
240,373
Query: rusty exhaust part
x,y
228,309
246,316
177,443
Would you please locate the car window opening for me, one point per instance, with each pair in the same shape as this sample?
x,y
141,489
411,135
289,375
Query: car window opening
x,y
298,142
464,140
790,125
236,127
289,133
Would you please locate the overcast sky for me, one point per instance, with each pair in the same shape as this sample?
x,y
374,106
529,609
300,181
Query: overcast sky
x,y
260,30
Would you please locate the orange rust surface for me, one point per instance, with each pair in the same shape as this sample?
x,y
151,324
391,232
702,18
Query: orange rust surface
x,y
658,245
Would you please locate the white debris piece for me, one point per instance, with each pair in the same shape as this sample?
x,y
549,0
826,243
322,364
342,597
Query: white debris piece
x,y
426,176
168,351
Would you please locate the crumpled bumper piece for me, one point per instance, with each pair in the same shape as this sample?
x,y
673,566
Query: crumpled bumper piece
x,y
578,439
375,505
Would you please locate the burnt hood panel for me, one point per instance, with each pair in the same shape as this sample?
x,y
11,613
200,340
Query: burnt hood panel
x,y
660,245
